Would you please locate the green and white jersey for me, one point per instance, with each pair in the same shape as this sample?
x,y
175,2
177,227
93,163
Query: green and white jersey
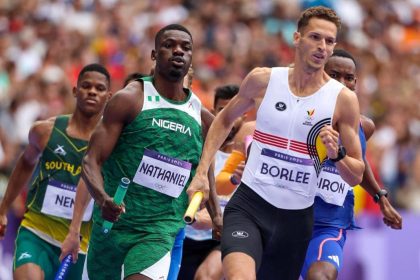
x,y
52,189
159,152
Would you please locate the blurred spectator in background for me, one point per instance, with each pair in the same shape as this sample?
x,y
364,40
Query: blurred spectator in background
x,y
45,43
409,196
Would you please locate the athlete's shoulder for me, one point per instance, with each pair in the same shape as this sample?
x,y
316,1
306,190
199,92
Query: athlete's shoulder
x,y
206,119
348,104
131,91
368,126
255,82
206,112
40,133
43,127
346,93
260,74
126,103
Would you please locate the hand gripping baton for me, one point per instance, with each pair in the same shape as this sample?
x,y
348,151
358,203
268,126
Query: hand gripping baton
x,y
193,207
64,268
118,199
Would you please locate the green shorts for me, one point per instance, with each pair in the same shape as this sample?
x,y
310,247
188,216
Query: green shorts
x,y
32,249
136,250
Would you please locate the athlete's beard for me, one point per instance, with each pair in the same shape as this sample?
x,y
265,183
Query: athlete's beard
x,y
175,74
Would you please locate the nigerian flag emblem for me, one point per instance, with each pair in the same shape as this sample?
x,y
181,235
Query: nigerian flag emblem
x,y
156,98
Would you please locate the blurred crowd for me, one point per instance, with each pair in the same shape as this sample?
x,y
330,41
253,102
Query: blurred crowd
x,y
44,44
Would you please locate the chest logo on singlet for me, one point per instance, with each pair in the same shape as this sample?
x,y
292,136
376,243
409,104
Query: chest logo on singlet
x,y
174,126
60,150
309,117
24,255
240,234
281,106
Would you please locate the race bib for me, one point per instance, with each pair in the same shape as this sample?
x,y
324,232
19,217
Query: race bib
x,y
162,173
331,187
286,171
59,201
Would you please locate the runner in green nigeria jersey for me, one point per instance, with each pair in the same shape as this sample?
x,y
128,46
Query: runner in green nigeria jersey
x,y
158,151
153,153
50,166
151,132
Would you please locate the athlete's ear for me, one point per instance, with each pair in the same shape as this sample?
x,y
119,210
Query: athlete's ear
x,y
296,37
153,55
74,91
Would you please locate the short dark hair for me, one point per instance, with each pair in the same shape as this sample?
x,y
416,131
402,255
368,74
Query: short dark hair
x,y
133,76
170,27
225,92
95,67
345,54
318,12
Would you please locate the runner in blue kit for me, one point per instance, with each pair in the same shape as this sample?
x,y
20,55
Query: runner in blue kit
x,y
333,207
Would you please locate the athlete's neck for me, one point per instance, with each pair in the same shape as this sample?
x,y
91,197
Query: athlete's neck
x,y
81,126
304,82
168,89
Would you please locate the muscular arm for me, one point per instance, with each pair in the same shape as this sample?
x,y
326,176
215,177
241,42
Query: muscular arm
x,y
250,93
352,166
391,217
81,202
212,205
121,110
38,139
71,243
368,182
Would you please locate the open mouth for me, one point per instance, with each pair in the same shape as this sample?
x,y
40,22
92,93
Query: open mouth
x,y
318,57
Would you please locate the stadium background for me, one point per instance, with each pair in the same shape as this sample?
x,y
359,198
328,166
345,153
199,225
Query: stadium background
x,y
43,45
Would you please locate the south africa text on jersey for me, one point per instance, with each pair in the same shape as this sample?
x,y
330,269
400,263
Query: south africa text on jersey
x,y
65,166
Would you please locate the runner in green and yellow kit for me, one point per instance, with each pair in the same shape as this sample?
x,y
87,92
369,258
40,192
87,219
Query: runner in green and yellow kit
x,y
54,158
151,132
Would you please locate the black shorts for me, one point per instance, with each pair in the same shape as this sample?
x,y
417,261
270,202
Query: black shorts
x,y
275,238
194,253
